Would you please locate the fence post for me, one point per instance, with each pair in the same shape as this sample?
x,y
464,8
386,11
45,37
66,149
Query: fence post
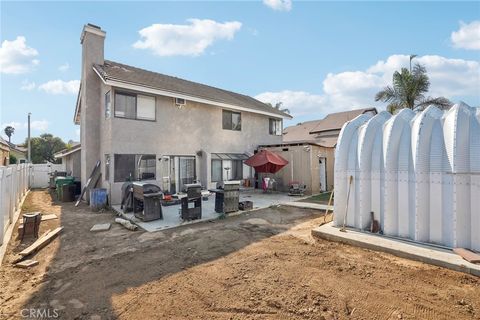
x,y
2,205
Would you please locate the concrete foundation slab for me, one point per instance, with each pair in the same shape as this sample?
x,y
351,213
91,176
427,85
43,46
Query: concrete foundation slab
x,y
405,249
100,227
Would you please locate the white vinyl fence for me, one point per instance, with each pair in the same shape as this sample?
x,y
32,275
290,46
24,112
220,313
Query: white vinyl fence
x,y
40,174
419,173
15,180
13,186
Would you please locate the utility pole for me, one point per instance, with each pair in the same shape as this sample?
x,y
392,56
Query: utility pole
x,y
29,147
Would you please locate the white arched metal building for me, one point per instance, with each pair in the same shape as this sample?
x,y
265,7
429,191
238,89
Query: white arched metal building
x,y
419,173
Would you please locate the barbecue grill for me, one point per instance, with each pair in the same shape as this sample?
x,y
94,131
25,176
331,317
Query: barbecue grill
x,y
227,195
192,203
146,201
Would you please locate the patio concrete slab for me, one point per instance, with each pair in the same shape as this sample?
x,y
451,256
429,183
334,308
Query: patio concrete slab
x,y
404,249
171,214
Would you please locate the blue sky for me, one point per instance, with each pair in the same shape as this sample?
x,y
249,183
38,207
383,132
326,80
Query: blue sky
x,y
315,57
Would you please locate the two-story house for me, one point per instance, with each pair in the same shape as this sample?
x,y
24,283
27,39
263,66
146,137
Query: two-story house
x,y
144,125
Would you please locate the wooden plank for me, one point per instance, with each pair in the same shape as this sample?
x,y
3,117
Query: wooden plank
x,y
91,182
41,242
51,216
26,263
468,255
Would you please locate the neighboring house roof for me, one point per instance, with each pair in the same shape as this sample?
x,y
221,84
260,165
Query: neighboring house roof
x,y
300,132
308,131
65,152
17,148
335,121
4,144
122,75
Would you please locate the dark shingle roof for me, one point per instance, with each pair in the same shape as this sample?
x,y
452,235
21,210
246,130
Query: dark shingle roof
x,y
116,71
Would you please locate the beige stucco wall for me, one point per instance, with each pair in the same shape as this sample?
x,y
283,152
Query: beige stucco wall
x,y
177,131
303,166
72,163
4,156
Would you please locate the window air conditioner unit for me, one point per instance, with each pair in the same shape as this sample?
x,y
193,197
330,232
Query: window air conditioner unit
x,y
180,102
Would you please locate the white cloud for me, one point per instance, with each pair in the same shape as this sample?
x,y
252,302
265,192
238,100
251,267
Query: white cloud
x,y
38,125
467,37
450,78
64,67
60,87
15,124
16,57
77,132
279,5
187,40
298,102
27,85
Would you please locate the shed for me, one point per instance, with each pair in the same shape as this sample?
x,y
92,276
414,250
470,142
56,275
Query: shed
x,y
310,164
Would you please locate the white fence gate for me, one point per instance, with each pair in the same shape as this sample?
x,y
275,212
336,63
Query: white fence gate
x,y
40,174
419,173
13,186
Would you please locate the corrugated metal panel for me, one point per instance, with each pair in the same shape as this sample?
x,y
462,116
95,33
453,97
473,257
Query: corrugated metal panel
x,y
418,172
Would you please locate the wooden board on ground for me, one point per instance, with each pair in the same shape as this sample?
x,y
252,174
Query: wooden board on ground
x,y
50,216
26,263
91,182
468,255
41,242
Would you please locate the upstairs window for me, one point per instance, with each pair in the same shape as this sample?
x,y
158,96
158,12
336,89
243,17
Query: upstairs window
x,y
275,127
108,105
145,107
231,120
133,106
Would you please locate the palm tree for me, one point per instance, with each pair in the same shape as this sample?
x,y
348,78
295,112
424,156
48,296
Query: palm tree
x,y
409,89
278,106
9,130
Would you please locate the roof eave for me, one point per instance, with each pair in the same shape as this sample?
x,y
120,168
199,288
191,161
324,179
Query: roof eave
x,y
111,81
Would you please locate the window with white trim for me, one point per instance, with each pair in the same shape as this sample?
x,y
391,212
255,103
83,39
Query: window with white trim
x,y
134,106
275,127
108,105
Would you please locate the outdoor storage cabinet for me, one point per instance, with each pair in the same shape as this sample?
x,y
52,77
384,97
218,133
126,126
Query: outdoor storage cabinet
x,y
146,201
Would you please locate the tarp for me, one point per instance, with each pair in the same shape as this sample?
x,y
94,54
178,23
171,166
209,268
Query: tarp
x,y
266,162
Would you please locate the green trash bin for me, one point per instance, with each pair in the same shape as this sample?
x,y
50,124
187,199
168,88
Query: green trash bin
x,y
61,181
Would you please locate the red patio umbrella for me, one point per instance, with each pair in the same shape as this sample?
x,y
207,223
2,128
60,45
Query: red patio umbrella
x,y
266,162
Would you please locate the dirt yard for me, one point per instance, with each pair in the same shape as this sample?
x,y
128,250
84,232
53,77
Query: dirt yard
x,y
261,265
